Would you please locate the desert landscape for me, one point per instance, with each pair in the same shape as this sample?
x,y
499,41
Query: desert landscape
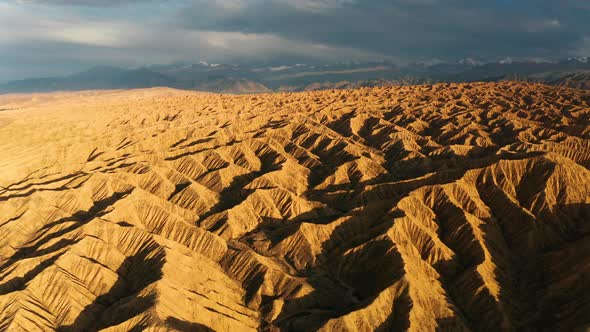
x,y
452,207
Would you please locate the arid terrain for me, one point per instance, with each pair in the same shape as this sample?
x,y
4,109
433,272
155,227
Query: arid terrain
x,y
457,207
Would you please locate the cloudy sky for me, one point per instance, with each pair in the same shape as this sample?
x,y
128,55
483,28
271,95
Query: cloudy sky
x,y
55,37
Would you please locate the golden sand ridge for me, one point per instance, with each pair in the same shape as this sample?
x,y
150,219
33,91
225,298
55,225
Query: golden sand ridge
x,y
452,206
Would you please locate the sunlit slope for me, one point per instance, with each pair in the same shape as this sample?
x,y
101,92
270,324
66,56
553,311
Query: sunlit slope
x,y
459,207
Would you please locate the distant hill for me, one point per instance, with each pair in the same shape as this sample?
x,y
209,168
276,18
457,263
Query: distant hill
x,y
575,80
367,84
97,78
240,79
233,85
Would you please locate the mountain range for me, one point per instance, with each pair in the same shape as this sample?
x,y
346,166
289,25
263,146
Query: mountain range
x,y
241,79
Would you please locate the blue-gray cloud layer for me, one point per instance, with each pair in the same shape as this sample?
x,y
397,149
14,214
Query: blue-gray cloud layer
x,y
51,36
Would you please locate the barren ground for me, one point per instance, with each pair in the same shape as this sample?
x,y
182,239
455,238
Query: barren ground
x,y
458,207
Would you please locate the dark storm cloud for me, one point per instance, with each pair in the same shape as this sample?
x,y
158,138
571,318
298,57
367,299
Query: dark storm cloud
x,y
103,3
131,32
425,28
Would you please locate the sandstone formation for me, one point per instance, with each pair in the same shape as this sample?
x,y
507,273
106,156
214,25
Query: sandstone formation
x,y
452,207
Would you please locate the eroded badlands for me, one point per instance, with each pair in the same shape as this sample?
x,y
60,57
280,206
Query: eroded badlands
x,y
452,207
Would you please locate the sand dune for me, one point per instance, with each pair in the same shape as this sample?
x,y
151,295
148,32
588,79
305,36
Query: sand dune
x,y
454,207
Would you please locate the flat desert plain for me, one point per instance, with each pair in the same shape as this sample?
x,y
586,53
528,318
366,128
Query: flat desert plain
x,y
457,207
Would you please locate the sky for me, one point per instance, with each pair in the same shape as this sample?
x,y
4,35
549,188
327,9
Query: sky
x,y
58,37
